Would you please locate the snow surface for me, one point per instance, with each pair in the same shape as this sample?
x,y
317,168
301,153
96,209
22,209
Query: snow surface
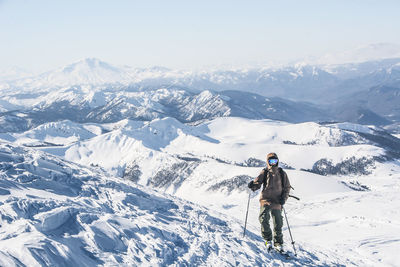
x,y
57,133
58,213
75,204
103,220
233,139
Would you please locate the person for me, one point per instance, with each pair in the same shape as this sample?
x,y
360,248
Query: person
x,y
275,192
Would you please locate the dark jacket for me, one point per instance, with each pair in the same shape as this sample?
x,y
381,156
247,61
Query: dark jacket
x,y
273,190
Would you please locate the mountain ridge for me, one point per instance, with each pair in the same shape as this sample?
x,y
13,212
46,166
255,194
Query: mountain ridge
x,y
306,77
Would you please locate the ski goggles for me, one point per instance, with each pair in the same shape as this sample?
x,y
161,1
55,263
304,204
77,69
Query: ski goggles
x,y
272,161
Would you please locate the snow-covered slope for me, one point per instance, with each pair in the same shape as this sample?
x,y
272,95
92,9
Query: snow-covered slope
x,y
57,213
103,210
173,156
229,139
57,133
147,151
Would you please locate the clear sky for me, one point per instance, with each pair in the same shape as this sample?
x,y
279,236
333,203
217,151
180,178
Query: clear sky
x,y
43,34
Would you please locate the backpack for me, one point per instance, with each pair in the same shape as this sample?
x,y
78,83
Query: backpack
x,y
266,175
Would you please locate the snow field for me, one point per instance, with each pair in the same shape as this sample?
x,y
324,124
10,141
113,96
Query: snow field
x,y
109,221
102,215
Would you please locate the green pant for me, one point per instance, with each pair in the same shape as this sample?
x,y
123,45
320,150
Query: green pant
x,y
278,223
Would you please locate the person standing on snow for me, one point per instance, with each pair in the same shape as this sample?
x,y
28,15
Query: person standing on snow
x,y
275,192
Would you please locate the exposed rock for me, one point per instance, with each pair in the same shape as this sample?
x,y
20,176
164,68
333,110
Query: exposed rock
x,y
236,183
349,166
175,175
132,172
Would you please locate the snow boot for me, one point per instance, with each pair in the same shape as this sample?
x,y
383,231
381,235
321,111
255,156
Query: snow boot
x,y
268,244
279,247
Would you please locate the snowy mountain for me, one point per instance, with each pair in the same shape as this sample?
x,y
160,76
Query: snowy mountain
x,y
384,100
301,81
113,165
88,71
95,91
167,141
166,149
57,133
91,199
354,70
99,104
389,76
78,105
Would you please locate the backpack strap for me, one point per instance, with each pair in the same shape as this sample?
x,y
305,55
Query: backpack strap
x,y
282,175
265,178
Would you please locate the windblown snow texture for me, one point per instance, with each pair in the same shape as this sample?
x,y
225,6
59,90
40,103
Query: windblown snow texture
x,y
56,213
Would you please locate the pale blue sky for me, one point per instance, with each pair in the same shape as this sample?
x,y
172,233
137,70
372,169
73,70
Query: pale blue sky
x,y
44,34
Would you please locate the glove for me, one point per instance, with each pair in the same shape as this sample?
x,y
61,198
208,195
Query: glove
x,y
251,185
282,201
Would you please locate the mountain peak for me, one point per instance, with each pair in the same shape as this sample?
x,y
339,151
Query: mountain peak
x,y
86,71
88,64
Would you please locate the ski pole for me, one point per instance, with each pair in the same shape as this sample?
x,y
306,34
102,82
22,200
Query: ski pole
x,y
247,213
290,232
294,197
